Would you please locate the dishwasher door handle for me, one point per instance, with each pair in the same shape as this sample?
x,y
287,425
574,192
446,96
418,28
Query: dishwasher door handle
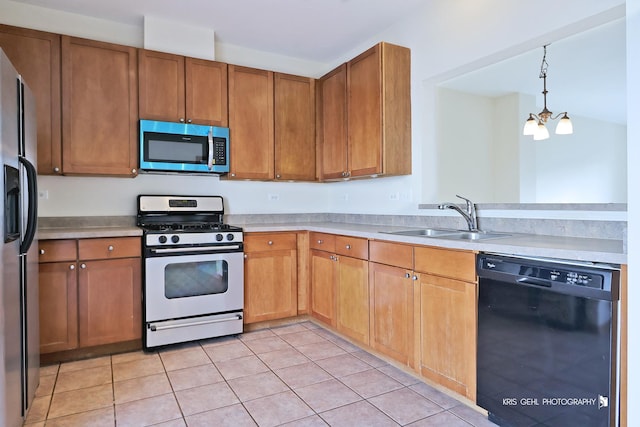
x,y
533,282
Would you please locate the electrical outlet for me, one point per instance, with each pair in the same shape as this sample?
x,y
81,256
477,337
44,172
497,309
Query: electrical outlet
x,y
394,196
273,197
43,194
345,197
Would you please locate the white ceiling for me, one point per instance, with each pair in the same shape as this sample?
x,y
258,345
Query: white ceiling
x,y
586,74
314,30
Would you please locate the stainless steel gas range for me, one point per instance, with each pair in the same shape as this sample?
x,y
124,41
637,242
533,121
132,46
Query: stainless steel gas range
x,y
193,267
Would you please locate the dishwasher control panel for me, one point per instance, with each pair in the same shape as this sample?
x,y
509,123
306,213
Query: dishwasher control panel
x,y
553,273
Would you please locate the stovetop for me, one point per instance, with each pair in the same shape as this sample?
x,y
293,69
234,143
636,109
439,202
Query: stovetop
x,y
184,220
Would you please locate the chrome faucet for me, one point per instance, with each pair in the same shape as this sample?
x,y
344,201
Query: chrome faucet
x,y
470,215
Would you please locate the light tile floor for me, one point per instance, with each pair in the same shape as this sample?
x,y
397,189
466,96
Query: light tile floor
x,y
294,375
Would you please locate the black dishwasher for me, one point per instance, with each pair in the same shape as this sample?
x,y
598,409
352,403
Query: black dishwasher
x,y
547,342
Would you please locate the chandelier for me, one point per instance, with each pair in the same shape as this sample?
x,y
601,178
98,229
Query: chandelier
x,y
535,124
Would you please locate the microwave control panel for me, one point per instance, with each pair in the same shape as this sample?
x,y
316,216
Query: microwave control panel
x,y
219,151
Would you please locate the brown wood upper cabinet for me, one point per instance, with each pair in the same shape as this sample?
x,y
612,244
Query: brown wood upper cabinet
x,y
36,55
100,108
295,145
251,123
365,115
175,88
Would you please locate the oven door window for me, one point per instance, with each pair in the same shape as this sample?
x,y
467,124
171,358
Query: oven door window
x,y
191,279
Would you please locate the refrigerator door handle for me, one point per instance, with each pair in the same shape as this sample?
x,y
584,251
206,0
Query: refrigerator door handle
x,y
32,215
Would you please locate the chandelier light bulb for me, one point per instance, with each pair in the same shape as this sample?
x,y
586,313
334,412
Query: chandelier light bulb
x,y
530,126
565,127
541,132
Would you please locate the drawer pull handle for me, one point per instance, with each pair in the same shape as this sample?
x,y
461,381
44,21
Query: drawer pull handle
x,y
72,267
407,275
110,248
270,242
83,265
41,251
348,246
320,242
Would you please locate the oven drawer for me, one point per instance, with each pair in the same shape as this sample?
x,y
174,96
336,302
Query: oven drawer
x,y
110,247
57,250
355,247
261,242
322,241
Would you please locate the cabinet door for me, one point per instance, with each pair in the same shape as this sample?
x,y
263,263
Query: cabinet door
x,y
251,123
161,89
365,113
36,55
206,92
352,293
109,301
295,129
332,124
58,300
323,293
448,328
100,105
392,312
270,285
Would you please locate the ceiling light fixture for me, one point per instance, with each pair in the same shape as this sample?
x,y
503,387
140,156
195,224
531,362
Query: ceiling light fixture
x,y
535,124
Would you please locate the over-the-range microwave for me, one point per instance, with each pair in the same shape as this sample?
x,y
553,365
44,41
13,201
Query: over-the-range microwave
x,y
183,147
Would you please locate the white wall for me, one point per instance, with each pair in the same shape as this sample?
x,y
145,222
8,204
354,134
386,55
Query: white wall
x,y
482,153
588,166
444,36
633,234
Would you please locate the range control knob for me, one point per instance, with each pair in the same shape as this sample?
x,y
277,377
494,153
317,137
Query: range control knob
x,y
175,238
219,237
162,239
230,236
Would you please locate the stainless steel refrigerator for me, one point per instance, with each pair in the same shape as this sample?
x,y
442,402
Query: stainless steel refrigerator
x,y
19,332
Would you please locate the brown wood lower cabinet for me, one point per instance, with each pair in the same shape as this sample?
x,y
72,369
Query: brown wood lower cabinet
x,y
352,293
340,283
58,300
447,320
323,287
109,301
448,333
391,301
90,292
270,272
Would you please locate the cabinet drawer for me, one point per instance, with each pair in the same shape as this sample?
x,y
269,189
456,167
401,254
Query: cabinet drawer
x,y
110,247
446,263
352,246
322,241
260,242
57,250
389,253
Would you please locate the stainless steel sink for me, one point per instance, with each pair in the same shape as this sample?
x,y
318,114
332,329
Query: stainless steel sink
x,y
450,234
475,235
424,232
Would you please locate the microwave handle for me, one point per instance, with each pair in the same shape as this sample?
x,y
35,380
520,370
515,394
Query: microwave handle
x,y
210,156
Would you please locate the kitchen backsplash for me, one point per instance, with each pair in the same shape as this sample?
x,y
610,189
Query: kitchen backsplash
x,y
600,229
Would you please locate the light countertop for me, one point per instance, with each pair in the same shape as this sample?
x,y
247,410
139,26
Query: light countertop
x,y
531,245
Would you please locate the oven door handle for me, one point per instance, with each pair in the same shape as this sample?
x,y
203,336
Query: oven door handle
x,y
194,249
202,322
